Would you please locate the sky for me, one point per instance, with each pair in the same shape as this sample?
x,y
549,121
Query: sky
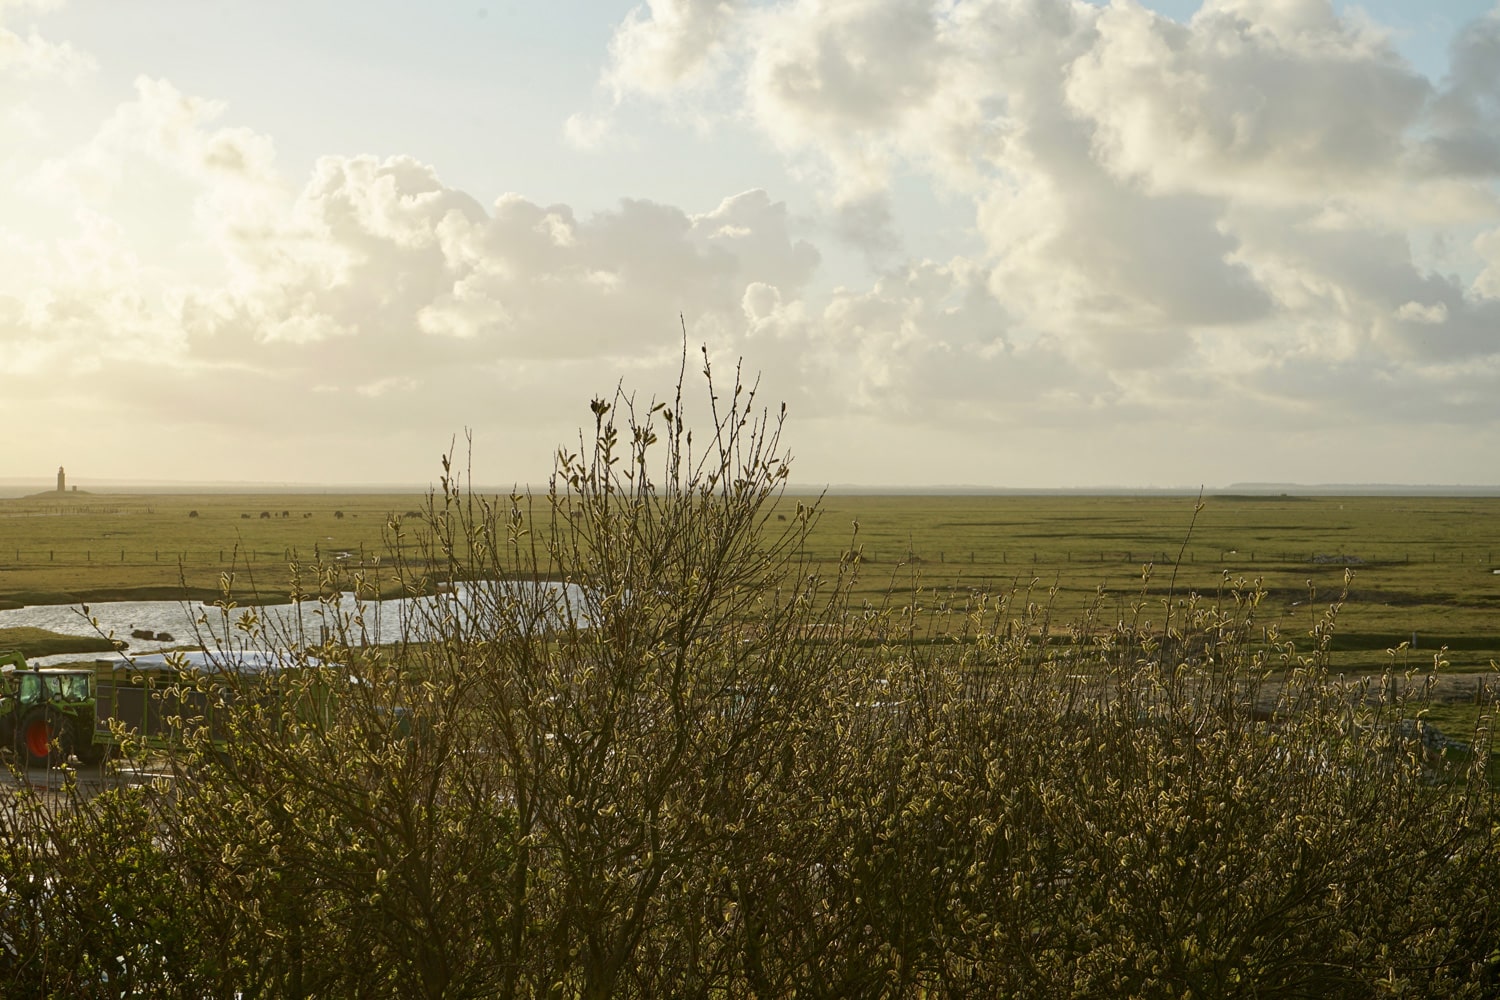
x,y
996,243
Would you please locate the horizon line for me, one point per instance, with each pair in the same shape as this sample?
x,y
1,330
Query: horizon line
x,y
16,487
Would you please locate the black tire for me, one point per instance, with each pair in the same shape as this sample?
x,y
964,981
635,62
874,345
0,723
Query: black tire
x,y
44,736
88,751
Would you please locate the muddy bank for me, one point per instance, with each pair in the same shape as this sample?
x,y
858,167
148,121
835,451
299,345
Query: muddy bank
x,y
190,595
37,642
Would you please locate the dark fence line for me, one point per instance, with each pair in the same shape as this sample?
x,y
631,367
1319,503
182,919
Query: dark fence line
x,y
21,556
1227,557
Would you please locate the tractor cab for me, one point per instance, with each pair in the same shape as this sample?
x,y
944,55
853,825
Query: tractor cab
x,y
51,686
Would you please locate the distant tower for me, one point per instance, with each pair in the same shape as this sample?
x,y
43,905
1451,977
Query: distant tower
x,y
62,480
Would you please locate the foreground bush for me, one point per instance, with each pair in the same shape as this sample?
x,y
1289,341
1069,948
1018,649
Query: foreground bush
x,y
693,769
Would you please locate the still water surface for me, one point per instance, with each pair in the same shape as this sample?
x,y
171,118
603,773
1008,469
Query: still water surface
x,y
192,624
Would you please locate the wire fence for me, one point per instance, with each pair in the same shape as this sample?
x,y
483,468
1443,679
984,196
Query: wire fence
x,y
23,557
1225,557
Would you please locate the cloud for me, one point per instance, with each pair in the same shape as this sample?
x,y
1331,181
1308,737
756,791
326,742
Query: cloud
x,y
369,288
31,57
1487,246
869,224
665,43
1259,169
17,5
79,303
1349,279
376,287
231,169
866,68
866,85
589,132
1416,312
927,344
1274,101
1464,135
371,282
1220,222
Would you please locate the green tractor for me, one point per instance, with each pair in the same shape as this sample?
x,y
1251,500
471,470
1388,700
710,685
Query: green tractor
x,y
47,713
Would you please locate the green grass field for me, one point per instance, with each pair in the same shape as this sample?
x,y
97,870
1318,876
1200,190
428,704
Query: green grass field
x,y
1424,568
69,547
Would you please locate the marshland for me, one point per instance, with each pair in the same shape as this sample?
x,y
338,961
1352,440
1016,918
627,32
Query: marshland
x,y
783,745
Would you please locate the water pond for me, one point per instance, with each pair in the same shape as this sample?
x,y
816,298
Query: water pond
x,y
191,624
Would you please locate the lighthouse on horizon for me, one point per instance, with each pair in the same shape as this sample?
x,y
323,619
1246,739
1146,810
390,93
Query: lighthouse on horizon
x,y
62,480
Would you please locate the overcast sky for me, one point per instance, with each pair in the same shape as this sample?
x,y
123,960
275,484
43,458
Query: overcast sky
x,y
1019,243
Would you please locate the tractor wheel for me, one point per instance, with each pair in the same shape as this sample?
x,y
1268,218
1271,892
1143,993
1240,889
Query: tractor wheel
x,y
41,734
89,752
